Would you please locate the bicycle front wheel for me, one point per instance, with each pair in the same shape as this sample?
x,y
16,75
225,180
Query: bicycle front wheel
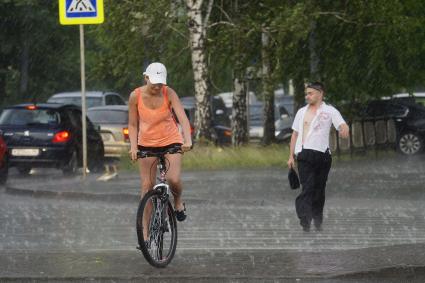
x,y
156,229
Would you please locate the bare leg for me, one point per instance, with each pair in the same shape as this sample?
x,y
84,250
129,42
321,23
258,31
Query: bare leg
x,y
147,169
173,179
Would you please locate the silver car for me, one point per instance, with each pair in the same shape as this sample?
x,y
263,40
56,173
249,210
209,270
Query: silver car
x,y
113,127
93,98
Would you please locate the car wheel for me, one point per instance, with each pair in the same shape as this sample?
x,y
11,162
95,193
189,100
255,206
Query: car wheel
x,y
4,170
410,143
71,167
24,170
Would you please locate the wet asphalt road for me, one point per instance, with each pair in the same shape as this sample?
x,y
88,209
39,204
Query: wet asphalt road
x,y
241,227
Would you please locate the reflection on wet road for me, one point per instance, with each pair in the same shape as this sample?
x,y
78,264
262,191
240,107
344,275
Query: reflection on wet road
x,y
245,214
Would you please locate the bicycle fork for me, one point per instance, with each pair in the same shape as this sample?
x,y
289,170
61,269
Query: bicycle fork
x,y
159,221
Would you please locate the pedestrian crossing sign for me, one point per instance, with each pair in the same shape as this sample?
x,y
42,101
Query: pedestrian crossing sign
x,y
77,12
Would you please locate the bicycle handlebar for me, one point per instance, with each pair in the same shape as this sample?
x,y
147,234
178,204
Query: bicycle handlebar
x,y
149,153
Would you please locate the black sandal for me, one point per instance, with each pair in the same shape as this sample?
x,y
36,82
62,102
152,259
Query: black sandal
x,y
181,214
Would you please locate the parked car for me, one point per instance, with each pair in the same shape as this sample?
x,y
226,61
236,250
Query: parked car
x,y
222,133
4,164
409,118
281,99
283,122
49,135
418,97
93,98
113,126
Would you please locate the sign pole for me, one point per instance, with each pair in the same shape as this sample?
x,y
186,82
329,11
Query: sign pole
x,y
83,101
82,12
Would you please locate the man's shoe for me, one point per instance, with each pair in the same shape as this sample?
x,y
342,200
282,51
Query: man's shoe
x,y
181,214
317,225
306,228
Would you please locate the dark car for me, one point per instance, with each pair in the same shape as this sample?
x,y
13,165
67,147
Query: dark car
x,y
409,118
4,166
222,133
49,135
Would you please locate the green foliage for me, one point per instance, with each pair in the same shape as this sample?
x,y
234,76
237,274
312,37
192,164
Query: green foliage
x,y
136,33
34,45
366,49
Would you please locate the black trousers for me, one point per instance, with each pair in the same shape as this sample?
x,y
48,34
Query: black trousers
x,y
313,170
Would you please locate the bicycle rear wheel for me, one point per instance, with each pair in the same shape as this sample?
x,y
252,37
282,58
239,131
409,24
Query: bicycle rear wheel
x,y
159,246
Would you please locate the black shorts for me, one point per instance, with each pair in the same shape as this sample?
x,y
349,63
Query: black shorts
x,y
157,149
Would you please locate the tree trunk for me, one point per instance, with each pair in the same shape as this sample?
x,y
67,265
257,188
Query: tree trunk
x,y
197,30
239,99
239,117
24,75
268,89
24,60
2,87
314,57
299,95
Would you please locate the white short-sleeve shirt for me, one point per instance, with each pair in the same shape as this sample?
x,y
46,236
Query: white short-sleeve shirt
x,y
318,136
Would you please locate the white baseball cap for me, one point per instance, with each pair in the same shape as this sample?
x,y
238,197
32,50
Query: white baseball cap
x,y
157,73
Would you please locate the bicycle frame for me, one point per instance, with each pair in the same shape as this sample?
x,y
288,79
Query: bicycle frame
x,y
162,181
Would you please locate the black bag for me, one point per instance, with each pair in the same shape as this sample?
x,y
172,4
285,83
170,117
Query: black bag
x,y
294,182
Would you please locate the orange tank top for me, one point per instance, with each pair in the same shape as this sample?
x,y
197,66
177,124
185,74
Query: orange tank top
x,y
157,127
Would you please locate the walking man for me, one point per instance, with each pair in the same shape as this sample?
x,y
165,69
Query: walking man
x,y
310,147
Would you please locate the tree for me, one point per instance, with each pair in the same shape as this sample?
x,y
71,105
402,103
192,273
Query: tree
x,y
136,33
231,46
37,54
268,86
197,22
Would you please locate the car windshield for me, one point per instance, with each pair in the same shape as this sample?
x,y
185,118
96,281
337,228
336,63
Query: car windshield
x,y
26,117
256,115
90,101
108,116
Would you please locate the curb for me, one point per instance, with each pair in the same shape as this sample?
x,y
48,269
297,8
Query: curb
x,y
71,195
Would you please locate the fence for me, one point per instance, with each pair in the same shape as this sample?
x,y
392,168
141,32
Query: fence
x,y
365,135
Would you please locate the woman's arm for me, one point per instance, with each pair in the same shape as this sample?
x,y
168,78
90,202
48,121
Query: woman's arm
x,y
181,116
133,120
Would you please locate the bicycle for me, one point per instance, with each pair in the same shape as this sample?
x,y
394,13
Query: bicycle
x,y
160,244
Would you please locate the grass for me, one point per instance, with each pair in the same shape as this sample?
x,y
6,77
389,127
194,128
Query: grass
x,y
214,158
252,156
204,158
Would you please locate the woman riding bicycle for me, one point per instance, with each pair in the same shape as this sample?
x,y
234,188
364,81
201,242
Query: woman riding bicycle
x,y
151,126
